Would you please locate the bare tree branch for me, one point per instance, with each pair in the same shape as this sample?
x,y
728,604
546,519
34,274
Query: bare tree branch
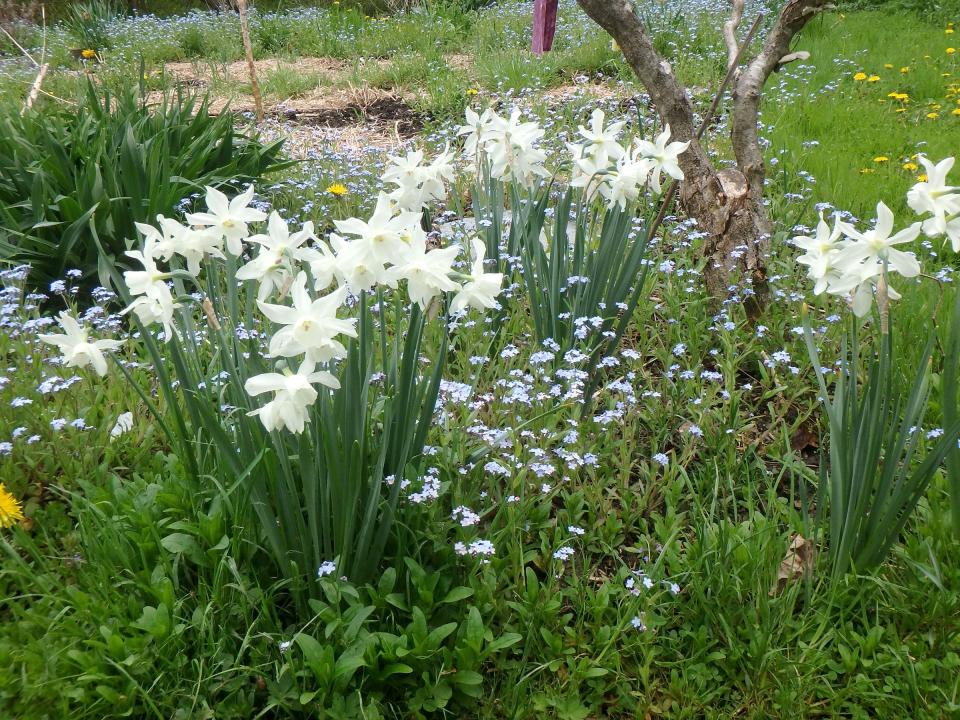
x,y
746,94
730,32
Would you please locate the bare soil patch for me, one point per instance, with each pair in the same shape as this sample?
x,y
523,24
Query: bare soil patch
x,y
200,73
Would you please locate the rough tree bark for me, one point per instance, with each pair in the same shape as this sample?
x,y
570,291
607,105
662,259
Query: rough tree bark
x,y
727,203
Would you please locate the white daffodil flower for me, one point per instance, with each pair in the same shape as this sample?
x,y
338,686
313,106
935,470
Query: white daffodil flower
x,y
822,251
624,184
427,273
664,157
383,230
481,290
279,255
357,265
934,196
588,170
323,264
602,142
77,348
293,395
942,201
476,130
228,218
875,246
311,326
155,307
143,282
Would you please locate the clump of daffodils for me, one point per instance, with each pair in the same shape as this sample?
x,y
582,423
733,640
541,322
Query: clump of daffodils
x,y
619,173
845,261
306,284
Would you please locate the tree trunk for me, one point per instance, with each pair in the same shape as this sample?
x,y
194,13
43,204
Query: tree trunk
x,y
738,235
726,203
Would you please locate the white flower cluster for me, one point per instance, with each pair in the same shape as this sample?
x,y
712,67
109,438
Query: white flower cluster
x,y
845,261
509,145
942,201
621,173
600,163
418,184
388,248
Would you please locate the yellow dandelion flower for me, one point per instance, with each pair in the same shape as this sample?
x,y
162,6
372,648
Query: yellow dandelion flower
x,y
873,78
911,166
337,189
88,54
951,51
472,91
904,69
888,66
948,31
932,115
881,159
955,111
860,76
614,45
10,510
922,177
900,110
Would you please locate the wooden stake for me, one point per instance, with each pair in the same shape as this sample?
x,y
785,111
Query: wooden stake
x,y
248,50
43,66
35,88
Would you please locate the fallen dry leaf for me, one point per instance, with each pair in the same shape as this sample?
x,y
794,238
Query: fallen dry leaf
x,y
796,563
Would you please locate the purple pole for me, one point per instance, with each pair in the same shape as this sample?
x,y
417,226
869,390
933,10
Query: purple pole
x,y
544,25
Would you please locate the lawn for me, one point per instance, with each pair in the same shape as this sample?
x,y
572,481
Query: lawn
x,y
562,482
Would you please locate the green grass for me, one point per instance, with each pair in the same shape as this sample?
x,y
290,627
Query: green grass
x,y
283,83
855,122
